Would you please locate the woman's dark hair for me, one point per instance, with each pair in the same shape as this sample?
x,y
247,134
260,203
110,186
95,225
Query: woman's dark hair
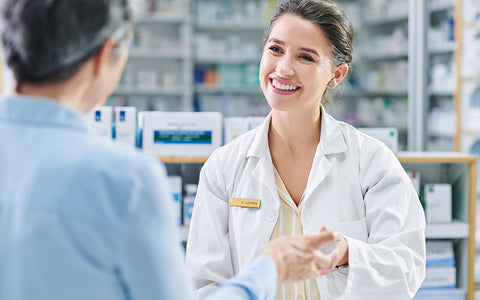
x,y
329,18
47,41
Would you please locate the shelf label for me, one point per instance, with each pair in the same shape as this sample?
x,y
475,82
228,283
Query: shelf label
x,y
182,137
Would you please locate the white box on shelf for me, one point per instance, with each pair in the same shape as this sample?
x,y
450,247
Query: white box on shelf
x,y
233,128
181,133
440,277
440,294
125,125
440,253
175,185
102,121
415,177
438,202
254,122
387,135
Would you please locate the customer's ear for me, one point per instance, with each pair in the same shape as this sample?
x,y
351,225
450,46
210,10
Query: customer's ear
x,y
106,55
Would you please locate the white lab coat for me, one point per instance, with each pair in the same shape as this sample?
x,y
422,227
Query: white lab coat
x,y
356,185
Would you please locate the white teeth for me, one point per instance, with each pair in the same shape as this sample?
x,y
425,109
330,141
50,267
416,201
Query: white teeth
x,y
284,87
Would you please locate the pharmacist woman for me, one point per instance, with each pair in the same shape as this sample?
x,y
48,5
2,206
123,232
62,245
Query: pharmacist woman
x,y
302,170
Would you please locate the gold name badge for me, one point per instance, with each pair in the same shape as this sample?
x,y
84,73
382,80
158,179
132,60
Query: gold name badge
x,y
242,202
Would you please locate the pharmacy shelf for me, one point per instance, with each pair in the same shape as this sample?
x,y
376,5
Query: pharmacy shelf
x,y
173,91
441,93
183,159
436,157
440,294
158,54
445,48
387,93
386,56
460,171
436,8
454,230
225,90
440,134
230,26
228,60
386,21
403,157
164,19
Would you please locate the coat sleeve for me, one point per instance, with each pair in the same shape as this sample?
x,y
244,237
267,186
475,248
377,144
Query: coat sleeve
x,y
391,263
208,246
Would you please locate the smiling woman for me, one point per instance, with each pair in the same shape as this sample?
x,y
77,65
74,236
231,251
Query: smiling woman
x,y
309,173
297,62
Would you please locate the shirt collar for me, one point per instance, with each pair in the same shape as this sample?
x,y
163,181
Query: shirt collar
x,y
331,138
41,111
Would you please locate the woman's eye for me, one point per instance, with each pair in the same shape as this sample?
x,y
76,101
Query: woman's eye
x,y
306,57
274,49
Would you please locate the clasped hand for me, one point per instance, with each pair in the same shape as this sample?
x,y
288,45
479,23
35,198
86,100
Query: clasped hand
x,y
299,257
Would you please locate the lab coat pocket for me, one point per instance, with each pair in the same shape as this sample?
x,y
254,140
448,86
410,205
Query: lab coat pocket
x,y
355,229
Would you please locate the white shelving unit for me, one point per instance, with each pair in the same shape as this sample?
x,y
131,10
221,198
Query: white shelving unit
x,y
227,54
379,73
443,62
459,170
401,46
159,71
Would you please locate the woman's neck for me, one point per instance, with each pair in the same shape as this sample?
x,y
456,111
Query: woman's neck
x,y
296,133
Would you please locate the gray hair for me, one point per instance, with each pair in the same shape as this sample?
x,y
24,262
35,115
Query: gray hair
x,y
49,40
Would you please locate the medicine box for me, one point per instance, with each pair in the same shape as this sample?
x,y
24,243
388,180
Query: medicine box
x,y
254,122
440,253
415,178
387,135
102,121
438,202
175,185
441,294
125,125
233,128
440,277
180,133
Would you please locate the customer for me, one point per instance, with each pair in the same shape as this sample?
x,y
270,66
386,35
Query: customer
x,y
305,170
81,218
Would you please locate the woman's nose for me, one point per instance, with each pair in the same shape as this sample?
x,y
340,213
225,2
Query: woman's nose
x,y
285,67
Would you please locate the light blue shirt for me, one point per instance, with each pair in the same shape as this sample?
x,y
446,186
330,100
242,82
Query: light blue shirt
x,y
81,218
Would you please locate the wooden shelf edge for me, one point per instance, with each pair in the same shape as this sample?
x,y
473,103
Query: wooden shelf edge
x,y
183,159
403,157
436,157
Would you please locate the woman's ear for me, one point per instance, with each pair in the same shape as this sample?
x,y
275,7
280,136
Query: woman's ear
x,y
340,73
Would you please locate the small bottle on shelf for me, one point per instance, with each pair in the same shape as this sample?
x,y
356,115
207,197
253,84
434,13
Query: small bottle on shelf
x,y
188,201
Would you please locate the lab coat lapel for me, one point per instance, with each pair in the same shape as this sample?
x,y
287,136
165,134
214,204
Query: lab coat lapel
x,y
259,150
331,142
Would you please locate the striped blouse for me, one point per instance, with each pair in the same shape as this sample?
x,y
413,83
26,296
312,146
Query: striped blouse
x,y
289,223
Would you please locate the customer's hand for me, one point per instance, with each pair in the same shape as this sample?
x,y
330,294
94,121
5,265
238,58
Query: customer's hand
x,y
298,257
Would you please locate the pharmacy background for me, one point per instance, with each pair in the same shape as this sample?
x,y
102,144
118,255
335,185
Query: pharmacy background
x,y
191,85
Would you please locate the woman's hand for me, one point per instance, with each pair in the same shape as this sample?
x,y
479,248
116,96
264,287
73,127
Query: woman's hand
x,y
299,258
342,246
